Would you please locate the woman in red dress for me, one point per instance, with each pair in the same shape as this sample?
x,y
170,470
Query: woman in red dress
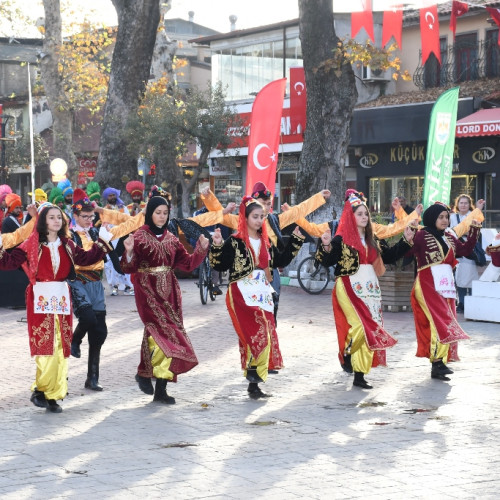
x,y
48,257
434,294
152,254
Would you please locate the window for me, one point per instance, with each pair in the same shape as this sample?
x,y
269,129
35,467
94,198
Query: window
x,y
466,57
492,59
435,73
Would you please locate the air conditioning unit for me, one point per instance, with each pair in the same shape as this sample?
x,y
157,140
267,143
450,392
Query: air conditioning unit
x,y
375,74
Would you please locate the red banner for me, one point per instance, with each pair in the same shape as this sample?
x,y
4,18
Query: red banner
x,y
298,100
429,31
264,137
363,19
393,26
457,9
495,14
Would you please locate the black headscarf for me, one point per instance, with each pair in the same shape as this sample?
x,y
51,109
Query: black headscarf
x,y
153,204
429,219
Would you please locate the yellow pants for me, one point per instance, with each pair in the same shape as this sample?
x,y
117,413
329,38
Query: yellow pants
x,y
261,363
161,364
52,371
361,355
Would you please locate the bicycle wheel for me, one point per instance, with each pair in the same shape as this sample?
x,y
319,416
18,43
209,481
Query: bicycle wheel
x,y
311,279
203,282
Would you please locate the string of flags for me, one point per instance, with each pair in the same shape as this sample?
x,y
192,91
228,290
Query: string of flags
x,y
392,24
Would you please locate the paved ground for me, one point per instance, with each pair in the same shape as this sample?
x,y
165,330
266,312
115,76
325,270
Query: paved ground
x,y
317,437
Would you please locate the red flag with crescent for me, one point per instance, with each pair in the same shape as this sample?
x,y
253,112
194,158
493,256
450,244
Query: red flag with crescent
x,y
298,100
495,14
363,19
393,26
457,9
429,31
264,139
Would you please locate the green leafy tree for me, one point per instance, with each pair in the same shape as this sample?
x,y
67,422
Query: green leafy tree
x,y
168,121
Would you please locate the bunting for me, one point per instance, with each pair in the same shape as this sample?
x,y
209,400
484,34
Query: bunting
x,y
429,31
457,9
363,19
393,26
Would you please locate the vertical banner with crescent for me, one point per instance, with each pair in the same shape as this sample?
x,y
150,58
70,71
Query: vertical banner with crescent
x,y
264,139
440,146
429,32
298,100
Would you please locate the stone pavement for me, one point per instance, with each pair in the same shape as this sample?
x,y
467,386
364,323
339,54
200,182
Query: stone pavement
x,y
317,437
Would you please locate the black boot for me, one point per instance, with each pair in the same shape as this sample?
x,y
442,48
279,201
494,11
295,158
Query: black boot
x,y
38,399
53,407
347,366
78,335
145,384
359,381
252,376
443,368
161,392
437,373
255,392
92,381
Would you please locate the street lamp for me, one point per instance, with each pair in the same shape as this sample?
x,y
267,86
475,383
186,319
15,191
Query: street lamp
x,y
58,168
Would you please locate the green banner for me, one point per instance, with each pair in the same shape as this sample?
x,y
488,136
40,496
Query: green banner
x,y
440,145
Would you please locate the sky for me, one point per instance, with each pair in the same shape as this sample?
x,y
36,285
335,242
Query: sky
x,y
215,13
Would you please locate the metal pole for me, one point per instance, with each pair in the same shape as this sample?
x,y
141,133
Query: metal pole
x,y
30,113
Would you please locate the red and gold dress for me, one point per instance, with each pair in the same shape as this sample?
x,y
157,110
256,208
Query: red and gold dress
x,y
434,311
166,349
50,315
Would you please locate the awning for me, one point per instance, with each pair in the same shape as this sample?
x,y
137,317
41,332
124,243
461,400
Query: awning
x,y
481,123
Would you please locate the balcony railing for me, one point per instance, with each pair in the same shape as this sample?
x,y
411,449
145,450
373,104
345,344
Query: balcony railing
x,y
460,62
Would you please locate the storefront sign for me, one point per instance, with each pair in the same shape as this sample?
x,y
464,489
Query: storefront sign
x,y
483,155
369,160
224,169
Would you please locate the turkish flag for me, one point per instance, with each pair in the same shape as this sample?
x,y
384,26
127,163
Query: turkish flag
x,y
495,14
457,9
429,31
363,19
298,100
263,143
393,26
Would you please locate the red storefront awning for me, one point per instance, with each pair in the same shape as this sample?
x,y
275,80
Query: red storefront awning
x,y
480,123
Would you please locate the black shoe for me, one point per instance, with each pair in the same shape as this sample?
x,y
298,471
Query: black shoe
x,y
161,395
92,384
38,399
252,376
359,381
460,308
443,369
53,407
255,392
75,350
145,384
440,376
347,366
216,290
273,372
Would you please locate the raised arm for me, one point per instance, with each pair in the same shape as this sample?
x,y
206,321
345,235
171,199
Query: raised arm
x,y
303,209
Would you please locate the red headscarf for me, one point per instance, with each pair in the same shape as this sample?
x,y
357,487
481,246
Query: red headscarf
x,y
263,258
348,228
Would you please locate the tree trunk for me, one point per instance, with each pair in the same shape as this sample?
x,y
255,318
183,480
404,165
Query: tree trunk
x,y
331,96
62,115
130,69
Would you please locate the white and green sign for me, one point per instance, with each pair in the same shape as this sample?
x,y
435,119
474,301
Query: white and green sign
x,y
440,145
